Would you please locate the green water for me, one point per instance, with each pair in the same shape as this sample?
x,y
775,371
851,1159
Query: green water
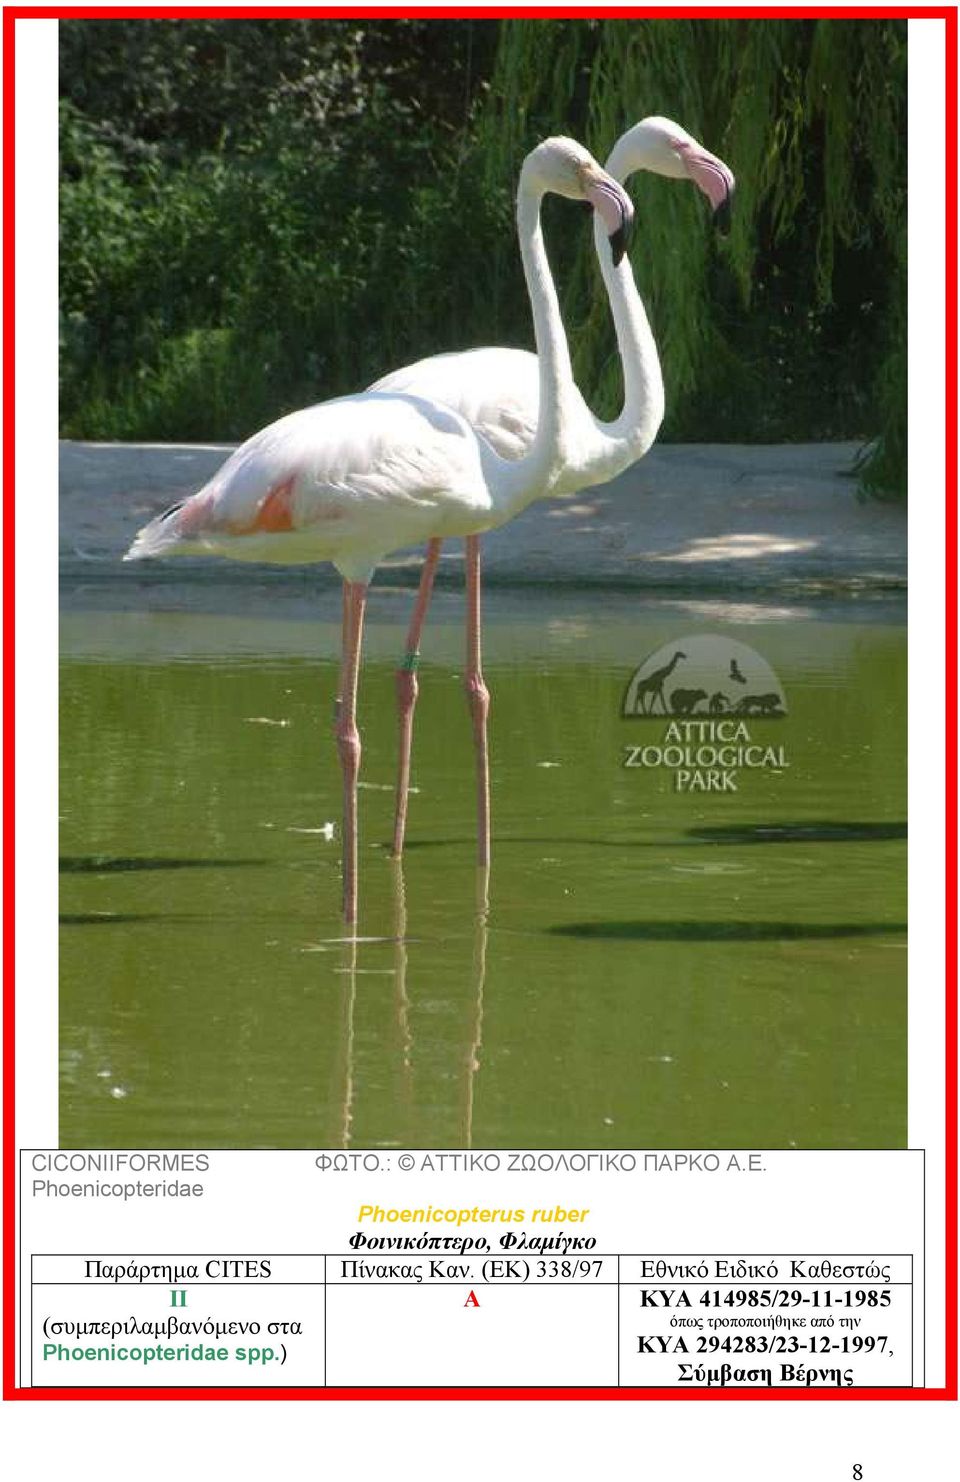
x,y
653,970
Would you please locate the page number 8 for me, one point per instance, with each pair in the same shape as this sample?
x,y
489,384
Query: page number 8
x,y
857,1472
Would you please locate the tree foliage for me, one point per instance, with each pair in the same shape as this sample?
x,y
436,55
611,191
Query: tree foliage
x,y
257,214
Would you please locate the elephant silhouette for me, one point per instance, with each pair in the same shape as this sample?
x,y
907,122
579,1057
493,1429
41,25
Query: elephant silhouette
x,y
683,702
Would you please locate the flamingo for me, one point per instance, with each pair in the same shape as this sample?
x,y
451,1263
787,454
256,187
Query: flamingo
x,y
355,478
497,388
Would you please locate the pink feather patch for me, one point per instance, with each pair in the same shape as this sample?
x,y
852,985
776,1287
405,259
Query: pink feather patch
x,y
275,515
193,518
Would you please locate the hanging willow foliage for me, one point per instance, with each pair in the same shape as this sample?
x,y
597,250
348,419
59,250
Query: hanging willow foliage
x,y
810,286
262,214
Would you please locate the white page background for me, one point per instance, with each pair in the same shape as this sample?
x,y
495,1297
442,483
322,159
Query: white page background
x,y
802,1440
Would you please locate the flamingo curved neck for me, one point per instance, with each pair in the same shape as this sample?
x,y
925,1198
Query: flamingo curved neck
x,y
518,482
643,395
572,447
607,448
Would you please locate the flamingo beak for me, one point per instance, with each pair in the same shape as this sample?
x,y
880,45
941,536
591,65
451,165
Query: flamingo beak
x,y
615,209
722,213
715,179
621,238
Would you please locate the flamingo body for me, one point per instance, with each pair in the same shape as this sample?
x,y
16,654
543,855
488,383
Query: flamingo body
x,y
346,481
497,389
352,479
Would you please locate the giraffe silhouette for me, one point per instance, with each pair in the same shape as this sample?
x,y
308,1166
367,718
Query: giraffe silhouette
x,y
653,686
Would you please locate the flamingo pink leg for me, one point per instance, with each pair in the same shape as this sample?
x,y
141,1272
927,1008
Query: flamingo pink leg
x,y
348,737
478,698
344,620
407,689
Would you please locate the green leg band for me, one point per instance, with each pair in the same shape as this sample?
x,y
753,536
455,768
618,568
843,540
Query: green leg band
x,y
410,662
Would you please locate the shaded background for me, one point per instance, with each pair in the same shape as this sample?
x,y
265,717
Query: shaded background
x,y
261,214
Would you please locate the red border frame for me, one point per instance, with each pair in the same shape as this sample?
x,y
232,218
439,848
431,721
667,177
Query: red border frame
x,y
947,14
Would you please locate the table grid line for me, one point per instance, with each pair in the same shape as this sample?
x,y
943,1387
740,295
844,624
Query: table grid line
x,y
617,1282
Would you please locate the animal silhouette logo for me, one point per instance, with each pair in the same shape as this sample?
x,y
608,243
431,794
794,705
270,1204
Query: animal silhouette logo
x,y
706,676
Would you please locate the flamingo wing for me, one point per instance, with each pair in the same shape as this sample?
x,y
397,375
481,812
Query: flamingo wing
x,y
496,389
358,476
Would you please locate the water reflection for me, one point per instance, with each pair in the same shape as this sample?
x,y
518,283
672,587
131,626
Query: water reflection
x,y
471,1060
635,972
401,996
465,1056
344,1080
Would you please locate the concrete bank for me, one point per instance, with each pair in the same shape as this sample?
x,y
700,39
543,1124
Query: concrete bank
x,y
688,517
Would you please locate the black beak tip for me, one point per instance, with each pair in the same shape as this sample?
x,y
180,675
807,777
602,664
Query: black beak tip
x,y
620,239
723,215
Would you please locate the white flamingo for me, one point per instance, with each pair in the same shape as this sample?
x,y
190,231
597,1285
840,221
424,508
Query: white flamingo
x,y
352,479
497,389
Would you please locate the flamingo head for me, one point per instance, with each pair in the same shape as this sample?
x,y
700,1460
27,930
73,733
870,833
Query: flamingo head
x,y
663,147
565,168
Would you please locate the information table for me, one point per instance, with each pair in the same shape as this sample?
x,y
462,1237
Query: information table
x,y
361,1319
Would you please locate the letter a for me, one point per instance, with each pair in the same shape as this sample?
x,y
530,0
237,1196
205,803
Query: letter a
x,y
472,1300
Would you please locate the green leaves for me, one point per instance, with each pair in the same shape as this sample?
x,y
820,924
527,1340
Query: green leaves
x,y
258,214
792,328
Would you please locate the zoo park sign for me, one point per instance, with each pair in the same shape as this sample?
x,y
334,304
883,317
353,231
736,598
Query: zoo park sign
x,y
705,688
